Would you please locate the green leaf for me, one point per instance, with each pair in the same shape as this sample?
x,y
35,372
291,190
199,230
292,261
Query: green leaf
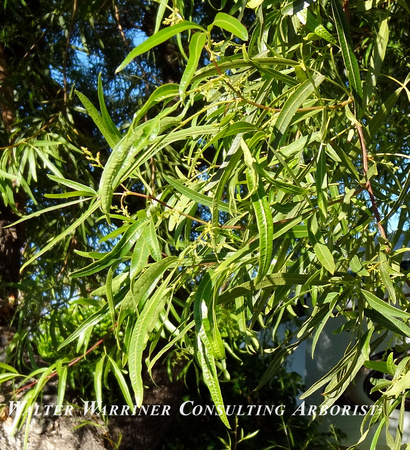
x,y
158,38
316,27
385,275
139,339
62,371
388,322
230,24
404,5
203,309
207,363
98,380
291,106
151,240
196,46
8,367
111,138
89,322
160,14
399,386
383,307
92,208
123,246
222,176
161,93
109,293
73,184
9,175
376,60
320,248
349,58
70,194
265,225
49,209
143,287
380,117
195,196
122,383
121,159
108,123
139,258
321,182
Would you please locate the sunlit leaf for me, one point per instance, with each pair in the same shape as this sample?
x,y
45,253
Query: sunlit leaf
x,y
158,38
231,24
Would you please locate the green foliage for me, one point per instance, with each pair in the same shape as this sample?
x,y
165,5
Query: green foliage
x,y
274,172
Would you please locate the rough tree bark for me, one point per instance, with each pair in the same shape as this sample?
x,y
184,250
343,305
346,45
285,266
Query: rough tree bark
x,y
10,238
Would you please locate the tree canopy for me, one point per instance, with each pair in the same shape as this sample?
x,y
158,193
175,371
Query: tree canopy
x,y
201,184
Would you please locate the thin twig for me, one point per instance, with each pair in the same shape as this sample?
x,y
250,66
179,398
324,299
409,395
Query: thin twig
x,y
368,185
23,141
150,197
119,26
74,361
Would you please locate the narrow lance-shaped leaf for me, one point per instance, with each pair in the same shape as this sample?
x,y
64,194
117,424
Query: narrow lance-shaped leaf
x,y
110,298
140,335
108,123
72,184
207,363
143,287
316,27
124,245
158,38
111,138
62,371
383,307
376,61
150,237
92,208
162,93
139,258
202,303
388,322
128,147
265,225
380,117
121,382
349,58
98,380
321,250
222,176
195,196
231,24
196,46
321,182
292,104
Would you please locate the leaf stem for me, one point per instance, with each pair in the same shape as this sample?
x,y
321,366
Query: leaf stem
x,y
74,361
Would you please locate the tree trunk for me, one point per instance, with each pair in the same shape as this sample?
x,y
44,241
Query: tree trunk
x,y
10,241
